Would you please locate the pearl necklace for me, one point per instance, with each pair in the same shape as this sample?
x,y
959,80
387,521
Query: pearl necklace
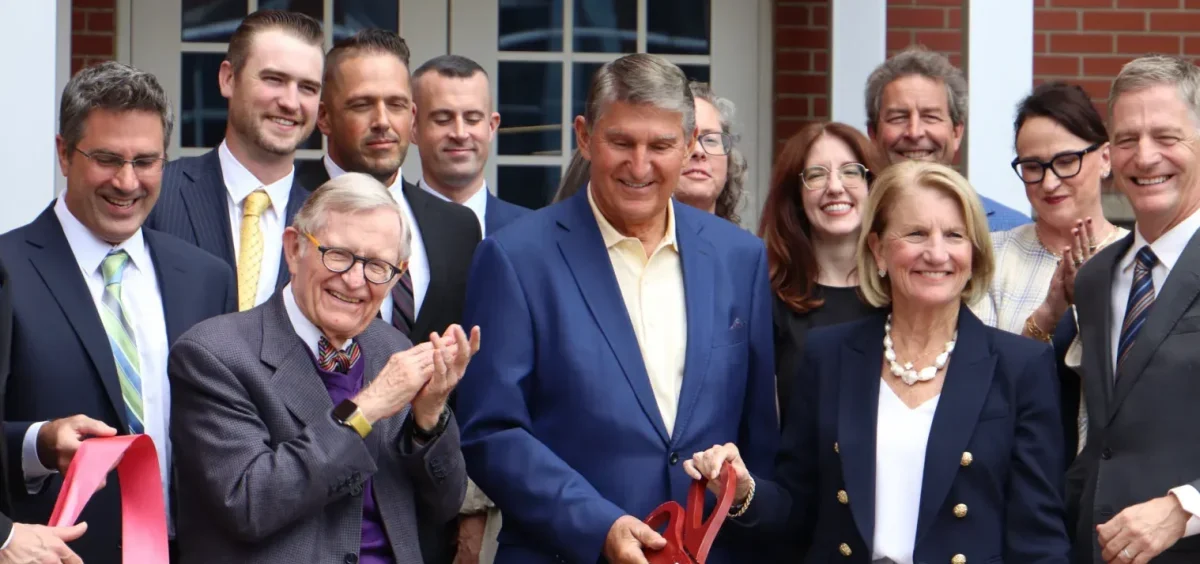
x,y
906,372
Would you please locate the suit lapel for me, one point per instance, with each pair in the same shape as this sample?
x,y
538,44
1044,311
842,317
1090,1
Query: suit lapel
x,y
583,249
858,414
175,286
698,275
207,203
964,391
1093,287
1173,300
56,264
296,379
295,200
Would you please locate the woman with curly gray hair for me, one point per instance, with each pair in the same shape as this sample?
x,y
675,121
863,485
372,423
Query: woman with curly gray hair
x,y
713,177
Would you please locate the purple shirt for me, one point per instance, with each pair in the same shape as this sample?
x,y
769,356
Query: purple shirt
x,y
375,546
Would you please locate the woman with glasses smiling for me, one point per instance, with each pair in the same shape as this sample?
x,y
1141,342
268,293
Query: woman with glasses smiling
x,y
810,224
712,179
1062,158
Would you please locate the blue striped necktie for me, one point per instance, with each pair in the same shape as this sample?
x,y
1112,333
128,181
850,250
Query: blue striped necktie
x,y
1141,297
117,324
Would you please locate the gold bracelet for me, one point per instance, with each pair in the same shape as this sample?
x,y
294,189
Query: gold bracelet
x,y
1036,332
739,510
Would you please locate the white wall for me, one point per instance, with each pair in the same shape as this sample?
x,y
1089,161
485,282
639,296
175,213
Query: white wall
x,y
999,65
27,151
858,45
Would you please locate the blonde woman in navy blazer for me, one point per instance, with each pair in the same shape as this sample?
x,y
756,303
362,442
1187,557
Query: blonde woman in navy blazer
x,y
954,459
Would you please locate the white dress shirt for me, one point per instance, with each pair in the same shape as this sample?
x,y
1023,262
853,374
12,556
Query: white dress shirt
x,y
143,304
476,203
239,183
418,261
901,435
1168,248
304,327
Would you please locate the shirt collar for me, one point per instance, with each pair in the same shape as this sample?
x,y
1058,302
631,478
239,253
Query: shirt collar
x,y
1169,247
304,328
477,202
396,189
240,182
90,250
612,237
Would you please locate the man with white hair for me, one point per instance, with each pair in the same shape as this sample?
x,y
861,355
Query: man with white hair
x,y
315,430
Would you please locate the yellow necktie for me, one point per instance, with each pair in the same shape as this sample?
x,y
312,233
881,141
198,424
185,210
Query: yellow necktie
x,y
250,259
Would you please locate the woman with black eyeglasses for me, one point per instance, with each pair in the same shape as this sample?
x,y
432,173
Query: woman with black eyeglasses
x,y
1062,159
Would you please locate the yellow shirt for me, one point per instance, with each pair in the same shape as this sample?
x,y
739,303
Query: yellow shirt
x,y
653,291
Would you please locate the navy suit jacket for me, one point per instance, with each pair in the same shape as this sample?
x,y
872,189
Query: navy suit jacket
x,y
62,364
1001,217
561,428
500,213
999,403
194,206
5,363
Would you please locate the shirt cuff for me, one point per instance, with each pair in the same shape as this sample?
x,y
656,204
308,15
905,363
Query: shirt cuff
x,y
31,465
1189,498
8,541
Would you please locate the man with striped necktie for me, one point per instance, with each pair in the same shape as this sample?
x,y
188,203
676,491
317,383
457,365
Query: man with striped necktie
x,y
98,301
1134,488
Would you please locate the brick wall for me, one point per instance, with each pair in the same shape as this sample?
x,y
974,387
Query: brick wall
x,y
93,32
1080,41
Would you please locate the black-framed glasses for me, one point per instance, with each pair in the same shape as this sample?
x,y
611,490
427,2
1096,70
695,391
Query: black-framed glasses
x,y
338,260
142,166
851,175
1065,165
716,143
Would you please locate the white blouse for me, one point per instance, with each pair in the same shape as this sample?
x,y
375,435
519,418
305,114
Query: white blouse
x,y
901,435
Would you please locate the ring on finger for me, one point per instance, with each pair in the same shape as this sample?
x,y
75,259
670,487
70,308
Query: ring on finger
x,y
1125,553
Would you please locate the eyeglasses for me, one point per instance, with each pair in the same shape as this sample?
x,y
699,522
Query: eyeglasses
x,y
142,166
851,175
338,260
716,144
1065,165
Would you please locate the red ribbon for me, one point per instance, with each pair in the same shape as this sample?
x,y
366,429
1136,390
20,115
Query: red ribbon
x,y
689,536
143,511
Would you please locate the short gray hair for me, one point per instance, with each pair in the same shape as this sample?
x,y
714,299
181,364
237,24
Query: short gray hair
x,y
731,193
641,79
921,62
1156,70
353,192
112,87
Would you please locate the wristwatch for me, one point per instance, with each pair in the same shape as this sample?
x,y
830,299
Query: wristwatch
x,y
426,436
347,413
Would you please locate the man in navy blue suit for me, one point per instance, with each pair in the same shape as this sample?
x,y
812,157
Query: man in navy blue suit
x,y
629,328
453,130
236,200
99,301
917,109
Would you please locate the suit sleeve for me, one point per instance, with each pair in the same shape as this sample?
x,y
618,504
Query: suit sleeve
x,y
758,438
437,470
1035,512
252,487
535,489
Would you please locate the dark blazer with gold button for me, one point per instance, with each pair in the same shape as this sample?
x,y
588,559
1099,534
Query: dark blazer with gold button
x,y
993,483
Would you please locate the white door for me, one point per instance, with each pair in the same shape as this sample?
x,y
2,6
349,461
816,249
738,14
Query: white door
x,y
541,55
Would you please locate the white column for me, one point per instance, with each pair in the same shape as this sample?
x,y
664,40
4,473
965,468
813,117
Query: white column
x,y
998,45
27,152
858,45
425,26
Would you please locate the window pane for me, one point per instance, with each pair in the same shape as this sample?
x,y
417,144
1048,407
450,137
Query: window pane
x,y
606,27
314,8
581,81
531,106
349,16
699,73
529,186
531,25
211,20
203,111
680,27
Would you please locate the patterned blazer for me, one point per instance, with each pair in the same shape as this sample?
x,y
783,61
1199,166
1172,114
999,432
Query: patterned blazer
x,y
266,475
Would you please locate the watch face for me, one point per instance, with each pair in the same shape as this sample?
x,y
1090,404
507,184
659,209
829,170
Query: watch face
x,y
344,410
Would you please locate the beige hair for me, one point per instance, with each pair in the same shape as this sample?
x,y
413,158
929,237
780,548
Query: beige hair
x,y
1155,70
353,192
886,189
